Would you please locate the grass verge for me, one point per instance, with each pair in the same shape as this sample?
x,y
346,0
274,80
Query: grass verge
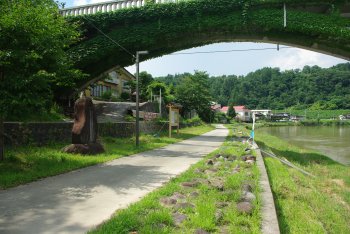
x,y
28,163
203,199
305,204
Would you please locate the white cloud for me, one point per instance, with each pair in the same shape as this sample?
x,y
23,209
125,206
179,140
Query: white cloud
x,y
297,58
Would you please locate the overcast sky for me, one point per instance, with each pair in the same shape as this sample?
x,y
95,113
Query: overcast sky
x,y
236,62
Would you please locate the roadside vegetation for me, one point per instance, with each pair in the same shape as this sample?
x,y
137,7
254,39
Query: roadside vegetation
x,y
305,204
24,164
203,199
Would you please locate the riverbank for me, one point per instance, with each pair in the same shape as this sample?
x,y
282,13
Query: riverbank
x,y
310,122
315,114
29,163
305,204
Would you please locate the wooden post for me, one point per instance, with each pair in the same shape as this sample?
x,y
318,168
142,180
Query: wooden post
x,y
169,121
178,121
174,117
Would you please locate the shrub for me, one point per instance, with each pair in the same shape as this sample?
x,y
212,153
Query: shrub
x,y
124,96
106,95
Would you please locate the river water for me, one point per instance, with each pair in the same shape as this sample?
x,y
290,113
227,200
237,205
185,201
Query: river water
x,y
333,141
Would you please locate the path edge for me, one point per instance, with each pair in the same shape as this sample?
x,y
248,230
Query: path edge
x,y
269,223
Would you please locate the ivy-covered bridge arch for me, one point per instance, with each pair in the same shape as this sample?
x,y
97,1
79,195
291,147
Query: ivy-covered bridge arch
x,y
161,29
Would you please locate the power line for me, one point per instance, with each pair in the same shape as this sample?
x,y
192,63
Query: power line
x,y
228,51
115,42
184,53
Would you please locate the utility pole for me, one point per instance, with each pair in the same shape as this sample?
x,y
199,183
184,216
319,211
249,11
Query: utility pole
x,y
160,102
137,128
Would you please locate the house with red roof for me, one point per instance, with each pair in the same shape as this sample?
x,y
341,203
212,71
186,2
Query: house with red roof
x,y
224,109
243,113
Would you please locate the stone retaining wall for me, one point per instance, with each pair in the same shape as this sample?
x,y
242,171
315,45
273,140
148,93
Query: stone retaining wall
x,y
17,133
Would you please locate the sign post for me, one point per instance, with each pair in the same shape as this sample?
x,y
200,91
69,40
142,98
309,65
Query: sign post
x,y
174,117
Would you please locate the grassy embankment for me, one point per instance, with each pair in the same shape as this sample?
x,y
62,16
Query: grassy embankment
x,y
305,204
211,209
309,122
315,114
28,163
313,118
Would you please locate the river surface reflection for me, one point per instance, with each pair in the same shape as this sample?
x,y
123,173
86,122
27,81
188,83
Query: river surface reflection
x,y
333,141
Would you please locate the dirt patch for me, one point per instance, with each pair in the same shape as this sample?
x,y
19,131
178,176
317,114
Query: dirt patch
x,y
339,182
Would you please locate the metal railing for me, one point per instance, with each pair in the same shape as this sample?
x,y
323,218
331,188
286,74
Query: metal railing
x,y
106,7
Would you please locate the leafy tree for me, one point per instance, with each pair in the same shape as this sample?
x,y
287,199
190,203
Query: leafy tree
x,y
33,63
155,87
312,87
231,113
145,79
193,94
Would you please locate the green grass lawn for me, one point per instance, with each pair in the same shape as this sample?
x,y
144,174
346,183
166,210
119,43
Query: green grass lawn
x,y
28,163
150,216
305,204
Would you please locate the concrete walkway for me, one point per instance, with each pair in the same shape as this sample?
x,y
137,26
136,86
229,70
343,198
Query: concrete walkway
x,y
77,201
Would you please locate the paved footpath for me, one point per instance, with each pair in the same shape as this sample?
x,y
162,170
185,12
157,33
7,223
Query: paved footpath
x,y
77,201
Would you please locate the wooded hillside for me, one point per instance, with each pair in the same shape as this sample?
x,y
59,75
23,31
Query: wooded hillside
x,y
312,87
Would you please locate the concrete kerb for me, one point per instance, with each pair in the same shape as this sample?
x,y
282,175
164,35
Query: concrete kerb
x,y
269,224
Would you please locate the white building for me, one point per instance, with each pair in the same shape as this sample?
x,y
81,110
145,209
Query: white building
x,y
266,113
243,113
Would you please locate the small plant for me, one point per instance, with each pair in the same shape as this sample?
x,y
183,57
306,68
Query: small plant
x,y
129,118
115,99
124,96
106,96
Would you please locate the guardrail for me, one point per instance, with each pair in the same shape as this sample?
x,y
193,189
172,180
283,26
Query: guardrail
x,y
106,7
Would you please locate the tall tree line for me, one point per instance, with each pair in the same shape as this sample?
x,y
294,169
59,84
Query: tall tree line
x,y
311,87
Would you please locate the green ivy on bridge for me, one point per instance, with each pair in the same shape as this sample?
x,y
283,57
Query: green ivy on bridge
x,y
166,28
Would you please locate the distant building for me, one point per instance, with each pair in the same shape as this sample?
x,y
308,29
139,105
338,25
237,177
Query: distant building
x,y
243,113
280,117
115,81
343,117
224,109
215,106
296,118
262,113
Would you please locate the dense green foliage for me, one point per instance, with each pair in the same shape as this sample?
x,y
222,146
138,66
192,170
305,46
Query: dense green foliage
x,y
312,88
193,94
165,28
231,113
33,62
191,91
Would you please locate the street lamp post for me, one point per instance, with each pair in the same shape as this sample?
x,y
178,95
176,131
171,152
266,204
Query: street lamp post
x,y
138,53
